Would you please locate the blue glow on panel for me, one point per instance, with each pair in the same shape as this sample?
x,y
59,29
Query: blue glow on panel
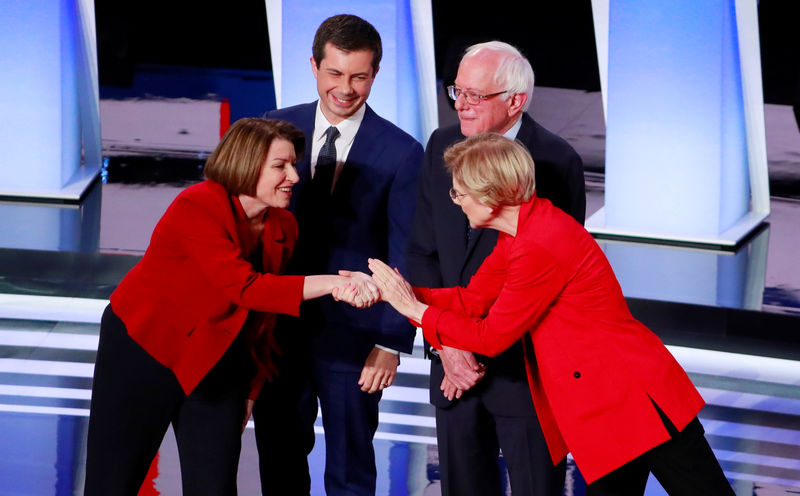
x,y
664,274
70,110
30,95
670,148
394,94
734,136
407,97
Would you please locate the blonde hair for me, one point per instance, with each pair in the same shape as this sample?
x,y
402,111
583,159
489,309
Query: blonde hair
x,y
237,160
494,169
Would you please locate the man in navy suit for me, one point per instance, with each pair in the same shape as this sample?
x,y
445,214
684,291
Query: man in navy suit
x,y
355,200
484,404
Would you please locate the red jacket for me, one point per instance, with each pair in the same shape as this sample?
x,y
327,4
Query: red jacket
x,y
594,371
190,295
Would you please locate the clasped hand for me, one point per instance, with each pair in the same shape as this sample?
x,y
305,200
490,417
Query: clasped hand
x,y
357,289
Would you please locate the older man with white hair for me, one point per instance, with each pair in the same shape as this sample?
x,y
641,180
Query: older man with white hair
x,y
483,405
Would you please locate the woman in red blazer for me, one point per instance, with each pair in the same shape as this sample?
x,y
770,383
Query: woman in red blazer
x,y
605,388
187,337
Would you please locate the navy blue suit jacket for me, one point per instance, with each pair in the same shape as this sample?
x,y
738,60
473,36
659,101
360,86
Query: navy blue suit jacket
x,y
441,256
370,216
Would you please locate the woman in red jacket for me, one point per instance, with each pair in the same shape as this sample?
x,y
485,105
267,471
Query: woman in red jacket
x,y
187,337
604,387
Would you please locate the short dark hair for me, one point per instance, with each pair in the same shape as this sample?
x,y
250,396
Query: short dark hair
x,y
348,33
237,160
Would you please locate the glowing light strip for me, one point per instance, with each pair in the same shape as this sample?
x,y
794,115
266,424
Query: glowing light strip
x,y
47,392
417,366
763,479
45,410
64,341
391,436
750,401
407,394
749,431
45,367
756,459
402,419
58,308
736,365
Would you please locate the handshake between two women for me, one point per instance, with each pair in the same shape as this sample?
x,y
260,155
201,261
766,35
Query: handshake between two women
x,y
386,284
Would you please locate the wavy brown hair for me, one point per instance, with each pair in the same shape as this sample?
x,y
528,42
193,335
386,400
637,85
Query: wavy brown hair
x,y
237,160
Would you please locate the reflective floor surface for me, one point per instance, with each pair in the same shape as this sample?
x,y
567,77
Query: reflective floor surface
x,y
752,419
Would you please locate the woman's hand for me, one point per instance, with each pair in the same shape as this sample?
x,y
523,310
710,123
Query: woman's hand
x,y
357,289
396,291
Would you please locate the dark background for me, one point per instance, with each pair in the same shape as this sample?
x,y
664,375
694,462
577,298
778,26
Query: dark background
x,y
557,37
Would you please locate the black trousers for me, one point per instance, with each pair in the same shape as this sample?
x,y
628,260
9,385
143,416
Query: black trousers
x,y
684,465
498,413
134,400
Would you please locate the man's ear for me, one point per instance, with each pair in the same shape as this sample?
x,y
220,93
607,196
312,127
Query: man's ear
x,y
516,103
375,72
313,66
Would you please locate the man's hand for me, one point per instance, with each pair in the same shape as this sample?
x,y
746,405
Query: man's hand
x,y
450,390
379,370
460,368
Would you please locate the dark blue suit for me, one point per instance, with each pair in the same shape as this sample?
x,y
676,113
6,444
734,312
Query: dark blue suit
x,y
498,412
368,215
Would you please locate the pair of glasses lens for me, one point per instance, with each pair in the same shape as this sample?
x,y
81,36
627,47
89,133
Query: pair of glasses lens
x,y
471,97
455,195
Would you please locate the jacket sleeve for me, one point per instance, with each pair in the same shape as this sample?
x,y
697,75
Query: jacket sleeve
x,y
205,236
400,211
512,301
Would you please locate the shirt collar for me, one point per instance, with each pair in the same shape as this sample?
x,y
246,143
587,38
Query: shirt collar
x,y
347,128
514,130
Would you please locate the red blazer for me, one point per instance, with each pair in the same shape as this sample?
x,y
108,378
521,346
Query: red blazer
x,y
594,371
190,295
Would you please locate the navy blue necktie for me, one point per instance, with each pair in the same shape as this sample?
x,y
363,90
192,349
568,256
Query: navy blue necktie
x,y
326,162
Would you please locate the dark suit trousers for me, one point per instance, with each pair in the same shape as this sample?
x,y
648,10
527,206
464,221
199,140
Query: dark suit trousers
x,y
135,398
684,465
284,417
472,430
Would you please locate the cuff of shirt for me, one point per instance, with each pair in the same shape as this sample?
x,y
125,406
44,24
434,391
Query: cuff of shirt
x,y
387,349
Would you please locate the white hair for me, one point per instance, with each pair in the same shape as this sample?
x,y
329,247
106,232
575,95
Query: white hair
x,y
514,72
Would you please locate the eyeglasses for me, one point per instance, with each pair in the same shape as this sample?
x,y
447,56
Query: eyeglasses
x,y
471,97
456,196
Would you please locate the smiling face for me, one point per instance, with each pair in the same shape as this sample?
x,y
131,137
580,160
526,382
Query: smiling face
x,y
493,115
344,80
278,175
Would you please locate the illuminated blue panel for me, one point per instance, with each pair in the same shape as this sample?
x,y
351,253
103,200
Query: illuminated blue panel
x,y
30,95
48,94
404,90
676,152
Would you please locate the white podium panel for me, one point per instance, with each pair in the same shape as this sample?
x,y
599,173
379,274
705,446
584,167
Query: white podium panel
x,y
685,148
50,131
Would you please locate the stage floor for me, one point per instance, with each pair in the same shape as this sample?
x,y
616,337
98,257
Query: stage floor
x,y
731,319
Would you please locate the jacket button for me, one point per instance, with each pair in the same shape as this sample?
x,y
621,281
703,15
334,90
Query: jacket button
x,y
577,375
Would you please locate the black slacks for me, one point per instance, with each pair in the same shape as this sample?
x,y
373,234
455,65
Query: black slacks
x,y
685,466
135,398
497,414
